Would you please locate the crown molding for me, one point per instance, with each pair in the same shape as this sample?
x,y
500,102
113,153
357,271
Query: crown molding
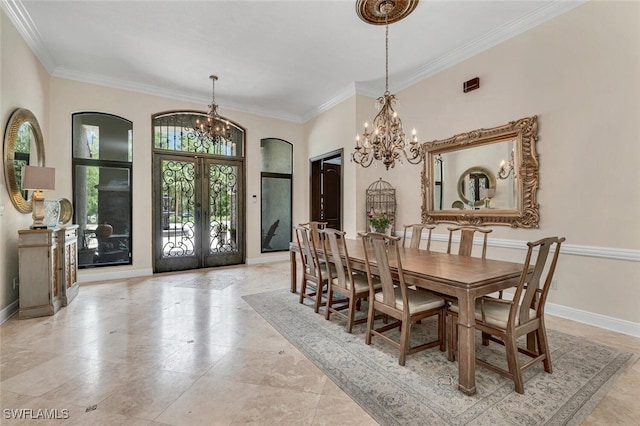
x,y
344,94
489,40
162,92
21,19
26,27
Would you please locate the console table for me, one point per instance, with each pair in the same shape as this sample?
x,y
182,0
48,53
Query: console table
x,y
48,262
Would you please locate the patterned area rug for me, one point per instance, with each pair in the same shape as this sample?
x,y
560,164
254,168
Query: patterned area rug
x,y
425,392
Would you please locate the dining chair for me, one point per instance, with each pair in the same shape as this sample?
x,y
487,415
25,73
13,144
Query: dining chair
x,y
466,239
506,320
315,227
416,234
314,272
342,280
404,304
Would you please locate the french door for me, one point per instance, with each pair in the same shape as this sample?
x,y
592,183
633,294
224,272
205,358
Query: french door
x,y
198,211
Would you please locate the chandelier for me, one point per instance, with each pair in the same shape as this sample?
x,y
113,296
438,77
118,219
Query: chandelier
x,y
386,140
213,128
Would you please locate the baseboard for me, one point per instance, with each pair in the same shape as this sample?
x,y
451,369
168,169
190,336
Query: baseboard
x,y
268,259
597,320
9,310
99,274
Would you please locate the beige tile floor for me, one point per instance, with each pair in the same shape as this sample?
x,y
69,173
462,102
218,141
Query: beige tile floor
x,y
185,349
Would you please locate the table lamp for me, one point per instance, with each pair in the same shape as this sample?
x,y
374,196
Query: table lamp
x,y
487,194
38,179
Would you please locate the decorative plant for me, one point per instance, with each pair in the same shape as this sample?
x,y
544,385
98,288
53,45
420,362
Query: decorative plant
x,y
379,221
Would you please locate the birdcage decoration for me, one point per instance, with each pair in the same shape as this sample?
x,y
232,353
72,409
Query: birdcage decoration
x,y
381,206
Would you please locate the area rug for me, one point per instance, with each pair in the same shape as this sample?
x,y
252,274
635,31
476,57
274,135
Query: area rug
x,y
424,392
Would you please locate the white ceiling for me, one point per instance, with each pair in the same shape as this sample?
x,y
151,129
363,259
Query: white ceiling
x,y
282,59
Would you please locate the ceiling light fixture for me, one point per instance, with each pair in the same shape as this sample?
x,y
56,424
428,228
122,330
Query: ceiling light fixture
x,y
214,128
387,139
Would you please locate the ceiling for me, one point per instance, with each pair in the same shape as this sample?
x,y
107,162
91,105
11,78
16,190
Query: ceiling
x,y
284,59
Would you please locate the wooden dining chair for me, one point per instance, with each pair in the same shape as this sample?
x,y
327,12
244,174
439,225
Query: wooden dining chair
x,y
404,304
466,239
506,320
315,227
416,234
314,273
342,280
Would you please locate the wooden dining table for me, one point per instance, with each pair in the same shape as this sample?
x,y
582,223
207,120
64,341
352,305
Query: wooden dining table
x,y
462,277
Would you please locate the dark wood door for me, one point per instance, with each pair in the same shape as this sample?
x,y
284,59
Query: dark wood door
x,y
326,190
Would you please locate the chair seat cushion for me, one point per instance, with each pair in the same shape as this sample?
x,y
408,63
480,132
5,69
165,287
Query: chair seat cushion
x,y
360,282
419,301
323,270
496,314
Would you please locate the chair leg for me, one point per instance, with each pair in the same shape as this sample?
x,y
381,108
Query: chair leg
x,y
404,341
367,337
543,348
512,361
319,289
442,322
485,339
351,314
327,314
303,289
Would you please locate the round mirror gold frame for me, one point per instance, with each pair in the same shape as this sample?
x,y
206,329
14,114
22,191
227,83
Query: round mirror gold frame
x,y
491,180
19,118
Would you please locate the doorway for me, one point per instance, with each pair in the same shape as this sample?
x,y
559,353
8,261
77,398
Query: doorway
x,y
326,189
198,205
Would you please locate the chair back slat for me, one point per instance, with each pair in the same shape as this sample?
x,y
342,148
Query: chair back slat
x,y
381,248
334,246
529,293
309,254
467,233
416,234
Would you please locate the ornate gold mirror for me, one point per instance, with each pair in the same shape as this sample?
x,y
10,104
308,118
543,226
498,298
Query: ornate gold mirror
x,y
487,176
23,145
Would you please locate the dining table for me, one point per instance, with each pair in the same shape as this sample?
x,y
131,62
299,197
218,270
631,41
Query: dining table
x,y
462,277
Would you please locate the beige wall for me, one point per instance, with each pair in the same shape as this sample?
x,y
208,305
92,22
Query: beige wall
x,y
578,73
24,83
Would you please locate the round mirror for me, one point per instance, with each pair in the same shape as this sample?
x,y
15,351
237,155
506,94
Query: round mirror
x,y
472,181
23,146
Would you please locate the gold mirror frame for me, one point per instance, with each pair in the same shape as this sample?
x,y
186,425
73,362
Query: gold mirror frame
x,y
18,118
527,212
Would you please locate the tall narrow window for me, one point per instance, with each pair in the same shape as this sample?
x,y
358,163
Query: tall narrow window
x,y
102,167
276,189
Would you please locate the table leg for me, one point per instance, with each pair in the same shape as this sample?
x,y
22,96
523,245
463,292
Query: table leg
x,y
467,345
294,271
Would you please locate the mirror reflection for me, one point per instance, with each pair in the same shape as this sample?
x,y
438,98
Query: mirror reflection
x,y
463,174
486,176
23,145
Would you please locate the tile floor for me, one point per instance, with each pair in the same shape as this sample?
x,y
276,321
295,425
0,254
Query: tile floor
x,y
185,349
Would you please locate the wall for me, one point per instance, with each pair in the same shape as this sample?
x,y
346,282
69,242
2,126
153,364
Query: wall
x,y
578,73
69,96
24,83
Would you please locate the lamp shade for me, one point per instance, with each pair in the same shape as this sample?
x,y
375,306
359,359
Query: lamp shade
x,y
38,178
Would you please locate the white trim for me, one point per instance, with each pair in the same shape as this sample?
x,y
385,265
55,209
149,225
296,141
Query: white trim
x,y
21,19
591,318
99,274
269,259
597,320
572,249
9,310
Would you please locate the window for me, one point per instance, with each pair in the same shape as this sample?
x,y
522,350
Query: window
x,y
276,189
102,167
